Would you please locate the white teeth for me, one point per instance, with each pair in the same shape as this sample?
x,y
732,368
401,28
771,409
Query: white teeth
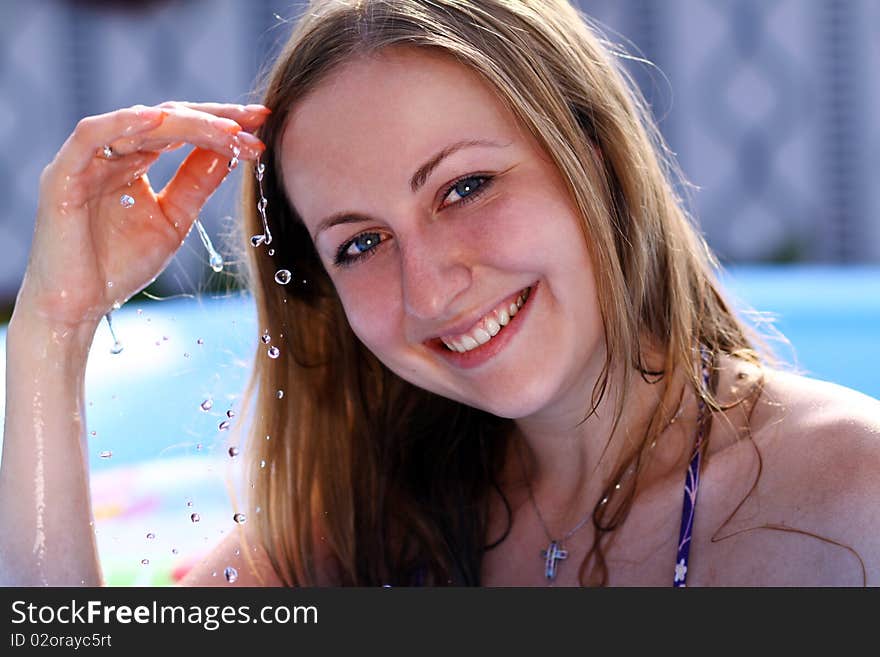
x,y
480,336
469,343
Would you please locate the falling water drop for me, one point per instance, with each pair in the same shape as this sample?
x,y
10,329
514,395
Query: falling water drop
x,y
265,338
195,517
231,574
117,345
274,352
174,550
233,451
126,201
106,454
239,518
280,394
282,277
256,240
200,341
151,535
271,252
230,414
262,463
207,405
145,562
223,426
215,260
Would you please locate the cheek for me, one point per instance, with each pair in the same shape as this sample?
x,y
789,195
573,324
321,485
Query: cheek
x,y
373,311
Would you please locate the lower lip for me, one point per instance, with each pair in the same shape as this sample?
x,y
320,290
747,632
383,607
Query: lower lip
x,y
478,356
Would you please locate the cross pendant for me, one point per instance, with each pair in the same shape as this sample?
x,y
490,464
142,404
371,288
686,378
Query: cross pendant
x,y
554,552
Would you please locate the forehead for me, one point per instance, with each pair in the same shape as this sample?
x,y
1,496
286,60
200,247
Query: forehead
x,y
376,119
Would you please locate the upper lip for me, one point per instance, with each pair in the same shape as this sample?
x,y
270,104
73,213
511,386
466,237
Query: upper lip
x,y
463,325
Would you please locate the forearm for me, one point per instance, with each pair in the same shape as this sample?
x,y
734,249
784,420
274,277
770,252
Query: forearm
x,y
47,535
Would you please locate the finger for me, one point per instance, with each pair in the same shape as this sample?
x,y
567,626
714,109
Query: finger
x,y
196,179
92,132
201,129
100,176
249,117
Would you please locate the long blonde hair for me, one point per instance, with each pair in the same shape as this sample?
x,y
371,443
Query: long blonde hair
x,y
388,479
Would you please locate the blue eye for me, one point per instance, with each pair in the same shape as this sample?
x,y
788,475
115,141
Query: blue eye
x,y
468,188
365,243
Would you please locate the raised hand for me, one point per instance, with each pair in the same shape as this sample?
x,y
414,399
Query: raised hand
x,y
102,232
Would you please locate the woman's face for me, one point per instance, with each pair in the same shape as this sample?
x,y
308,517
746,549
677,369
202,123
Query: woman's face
x,y
432,211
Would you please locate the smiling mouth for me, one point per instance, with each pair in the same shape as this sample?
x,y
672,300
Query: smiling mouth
x,y
492,325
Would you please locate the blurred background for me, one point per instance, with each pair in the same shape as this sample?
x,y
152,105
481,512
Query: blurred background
x,y
770,105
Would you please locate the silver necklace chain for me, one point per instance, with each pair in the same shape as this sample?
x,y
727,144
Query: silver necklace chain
x,y
555,550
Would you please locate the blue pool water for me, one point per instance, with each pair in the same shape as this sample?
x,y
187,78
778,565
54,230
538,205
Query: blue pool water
x,y
157,456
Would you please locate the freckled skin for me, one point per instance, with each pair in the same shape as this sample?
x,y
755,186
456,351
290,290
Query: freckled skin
x,y
441,263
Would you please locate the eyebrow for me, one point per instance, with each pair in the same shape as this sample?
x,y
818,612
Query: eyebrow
x,y
418,180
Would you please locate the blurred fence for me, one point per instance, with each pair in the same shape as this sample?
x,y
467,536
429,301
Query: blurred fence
x,y
770,106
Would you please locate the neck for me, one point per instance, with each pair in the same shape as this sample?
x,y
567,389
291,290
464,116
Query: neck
x,y
570,463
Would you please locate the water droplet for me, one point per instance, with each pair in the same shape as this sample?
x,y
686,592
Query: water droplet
x,y
236,552
261,167
164,338
268,437
151,535
109,283
195,517
256,240
94,433
233,451
117,305
280,394
198,449
262,464
265,338
282,277
271,252
274,352
239,518
230,414
257,509
106,454
174,551
145,562
207,405
215,260
186,354
262,205
189,503
231,574
126,201
140,311
200,341
223,426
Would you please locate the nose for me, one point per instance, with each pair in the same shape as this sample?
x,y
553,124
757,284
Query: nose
x,y
434,272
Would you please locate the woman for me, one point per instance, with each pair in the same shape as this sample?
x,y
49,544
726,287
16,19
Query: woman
x,y
504,356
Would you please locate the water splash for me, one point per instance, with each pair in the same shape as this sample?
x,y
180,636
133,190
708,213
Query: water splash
x,y
215,260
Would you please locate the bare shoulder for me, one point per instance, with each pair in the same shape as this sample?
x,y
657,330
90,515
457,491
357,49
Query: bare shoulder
x,y
244,553
241,552
817,445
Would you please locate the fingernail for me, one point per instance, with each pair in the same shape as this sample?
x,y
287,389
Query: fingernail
x,y
151,114
258,109
251,143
